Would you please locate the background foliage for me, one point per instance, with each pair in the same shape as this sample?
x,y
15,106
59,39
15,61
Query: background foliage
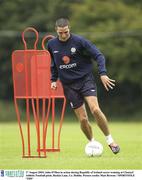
x,y
114,26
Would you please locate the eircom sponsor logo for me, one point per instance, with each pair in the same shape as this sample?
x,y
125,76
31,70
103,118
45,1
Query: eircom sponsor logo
x,y
68,66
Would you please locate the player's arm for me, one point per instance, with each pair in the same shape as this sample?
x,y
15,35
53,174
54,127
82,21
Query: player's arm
x,y
100,59
54,75
54,71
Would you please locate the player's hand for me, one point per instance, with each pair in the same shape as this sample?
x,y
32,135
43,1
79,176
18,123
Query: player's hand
x,y
53,85
107,82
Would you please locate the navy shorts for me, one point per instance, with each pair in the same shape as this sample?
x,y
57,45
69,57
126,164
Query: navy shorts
x,y
76,91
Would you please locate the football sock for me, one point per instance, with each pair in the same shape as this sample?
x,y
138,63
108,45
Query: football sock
x,y
92,139
109,139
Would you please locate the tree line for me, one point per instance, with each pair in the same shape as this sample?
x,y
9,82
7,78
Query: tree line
x,y
114,26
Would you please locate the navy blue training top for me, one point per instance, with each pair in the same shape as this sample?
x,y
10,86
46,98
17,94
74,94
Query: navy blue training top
x,y
71,59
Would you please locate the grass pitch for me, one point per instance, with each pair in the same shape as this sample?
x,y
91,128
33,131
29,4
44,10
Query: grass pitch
x,y
72,156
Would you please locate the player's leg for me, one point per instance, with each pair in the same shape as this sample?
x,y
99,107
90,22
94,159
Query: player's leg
x,y
98,114
101,121
84,123
77,104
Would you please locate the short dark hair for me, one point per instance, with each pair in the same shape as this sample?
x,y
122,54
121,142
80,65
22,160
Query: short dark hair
x,y
62,22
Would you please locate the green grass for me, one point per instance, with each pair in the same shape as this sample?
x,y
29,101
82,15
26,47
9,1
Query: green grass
x,y
72,156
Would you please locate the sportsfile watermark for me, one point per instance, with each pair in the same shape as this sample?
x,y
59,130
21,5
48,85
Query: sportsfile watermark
x,y
12,173
70,174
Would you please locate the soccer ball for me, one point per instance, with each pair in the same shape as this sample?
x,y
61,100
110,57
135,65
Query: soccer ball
x,y
94,148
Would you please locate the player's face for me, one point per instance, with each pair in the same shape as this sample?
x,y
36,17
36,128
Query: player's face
x,y
63,33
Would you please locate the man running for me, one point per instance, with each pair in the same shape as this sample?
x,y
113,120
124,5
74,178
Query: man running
x,y
72,64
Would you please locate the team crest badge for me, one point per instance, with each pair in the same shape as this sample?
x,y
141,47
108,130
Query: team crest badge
x,y
73,49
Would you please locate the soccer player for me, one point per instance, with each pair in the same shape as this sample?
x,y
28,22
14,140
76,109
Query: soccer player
x,y
72,64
